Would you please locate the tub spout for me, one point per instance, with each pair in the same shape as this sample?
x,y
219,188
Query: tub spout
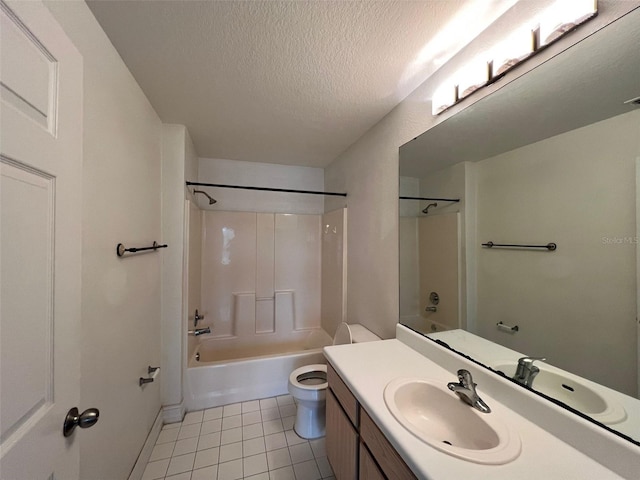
x,y
199,331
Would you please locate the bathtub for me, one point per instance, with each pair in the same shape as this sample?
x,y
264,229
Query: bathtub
x,y
222,371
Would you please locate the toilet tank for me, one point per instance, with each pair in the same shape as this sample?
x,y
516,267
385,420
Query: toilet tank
x,y
353,333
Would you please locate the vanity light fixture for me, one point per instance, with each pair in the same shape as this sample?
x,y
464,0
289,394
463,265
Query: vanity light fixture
x,y
473,76
562,17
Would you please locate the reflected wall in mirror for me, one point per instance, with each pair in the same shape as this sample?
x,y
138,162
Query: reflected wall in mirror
x,y
551,157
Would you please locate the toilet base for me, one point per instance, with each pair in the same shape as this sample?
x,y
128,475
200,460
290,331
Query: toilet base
x,y
310,419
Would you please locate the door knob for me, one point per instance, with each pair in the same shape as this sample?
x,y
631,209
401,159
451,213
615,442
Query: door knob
x,y
74,419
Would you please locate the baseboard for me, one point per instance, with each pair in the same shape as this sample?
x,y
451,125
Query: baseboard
x,y
173,413
145,453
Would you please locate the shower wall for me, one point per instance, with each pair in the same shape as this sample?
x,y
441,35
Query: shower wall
x,y
261,275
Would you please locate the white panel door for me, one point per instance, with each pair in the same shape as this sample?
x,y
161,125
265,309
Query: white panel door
x,y
40,243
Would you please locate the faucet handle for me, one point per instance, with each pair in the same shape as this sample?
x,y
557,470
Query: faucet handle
x,y
465,378
528,361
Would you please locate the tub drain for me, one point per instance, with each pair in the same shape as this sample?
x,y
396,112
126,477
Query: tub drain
x,y
447,442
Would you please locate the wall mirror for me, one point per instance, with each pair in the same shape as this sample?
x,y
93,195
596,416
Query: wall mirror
x,y
551,157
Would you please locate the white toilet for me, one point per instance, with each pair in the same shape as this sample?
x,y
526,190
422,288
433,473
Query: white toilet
x,y
308,384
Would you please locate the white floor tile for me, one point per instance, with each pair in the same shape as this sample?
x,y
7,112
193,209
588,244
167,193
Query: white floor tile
x,y
188,445
270,414
266,403
168,426
288,422
167,436
253,447
209,440
193,417
324,466
155,470
254,464
278,458
211,426
230,470
300,453
212,414
272,426
252,431
251,417
234,421
319,447
232,409
180,476
285,473
260,476
284,400
188,431
206,458
287,410
162,451
251,406
232,451
180,464
206,473
275,441
293,438
307,470
251,440
231,436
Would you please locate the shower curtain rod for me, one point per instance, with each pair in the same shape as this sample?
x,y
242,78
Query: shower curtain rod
x,y
266,189
431,198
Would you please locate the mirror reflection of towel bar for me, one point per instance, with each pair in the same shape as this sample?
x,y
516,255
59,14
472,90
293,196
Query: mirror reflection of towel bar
x,y
549,246
507,328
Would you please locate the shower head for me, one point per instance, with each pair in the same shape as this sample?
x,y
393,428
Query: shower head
x,y
426,210
211,199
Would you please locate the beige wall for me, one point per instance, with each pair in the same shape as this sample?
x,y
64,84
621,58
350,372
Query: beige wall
x,y
120,296
577,190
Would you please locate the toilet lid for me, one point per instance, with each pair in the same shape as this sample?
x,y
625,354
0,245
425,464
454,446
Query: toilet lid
x,y
343,335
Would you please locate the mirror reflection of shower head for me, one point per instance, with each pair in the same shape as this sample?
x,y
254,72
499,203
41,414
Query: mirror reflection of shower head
x,y
211,199
426,210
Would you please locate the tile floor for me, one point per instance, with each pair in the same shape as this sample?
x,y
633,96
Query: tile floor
x,y
249,440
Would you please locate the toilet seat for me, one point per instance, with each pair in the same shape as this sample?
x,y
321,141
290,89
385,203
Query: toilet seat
x,y
299,381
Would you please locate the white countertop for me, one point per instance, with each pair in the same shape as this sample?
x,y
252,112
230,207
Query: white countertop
x,y
367,368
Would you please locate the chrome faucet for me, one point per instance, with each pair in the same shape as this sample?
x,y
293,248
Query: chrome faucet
x,y
466,390
527,371
196,318
199,331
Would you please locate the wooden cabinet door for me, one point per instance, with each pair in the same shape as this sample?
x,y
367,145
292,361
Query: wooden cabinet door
x,y
369,469
341,440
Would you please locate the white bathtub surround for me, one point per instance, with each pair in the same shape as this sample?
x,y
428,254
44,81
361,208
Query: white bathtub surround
x,y
260,275
236,441
555,443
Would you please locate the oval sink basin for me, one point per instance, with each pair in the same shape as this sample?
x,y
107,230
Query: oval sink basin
x,y
573,393
441,419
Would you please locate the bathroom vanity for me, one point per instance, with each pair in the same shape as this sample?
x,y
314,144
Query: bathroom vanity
x,y
356,447
377,389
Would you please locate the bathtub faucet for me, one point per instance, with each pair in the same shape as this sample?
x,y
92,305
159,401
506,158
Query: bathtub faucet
x,y
199,331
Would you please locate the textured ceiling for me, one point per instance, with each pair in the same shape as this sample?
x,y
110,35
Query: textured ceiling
x,y
290,82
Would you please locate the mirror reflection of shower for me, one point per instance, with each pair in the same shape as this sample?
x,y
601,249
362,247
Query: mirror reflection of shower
x,y
211,199
426,210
